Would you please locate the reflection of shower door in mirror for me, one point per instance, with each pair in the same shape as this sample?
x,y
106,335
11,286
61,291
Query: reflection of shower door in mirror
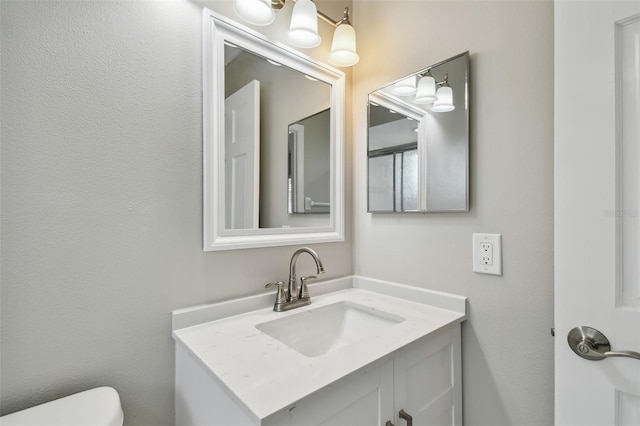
x,y
242,157
393,179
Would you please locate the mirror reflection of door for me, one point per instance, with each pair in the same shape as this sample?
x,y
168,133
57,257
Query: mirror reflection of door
x,y
295,163
309,164
242,157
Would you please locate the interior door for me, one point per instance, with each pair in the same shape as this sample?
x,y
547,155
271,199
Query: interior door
x,y
597,211
242,157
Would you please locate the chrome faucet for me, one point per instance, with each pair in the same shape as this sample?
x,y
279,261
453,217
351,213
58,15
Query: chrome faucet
x,y
294,297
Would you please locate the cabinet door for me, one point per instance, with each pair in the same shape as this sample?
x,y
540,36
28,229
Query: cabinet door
x,y
364,398
427,381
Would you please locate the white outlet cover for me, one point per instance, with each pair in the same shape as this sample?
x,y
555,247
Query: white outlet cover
x,y
496,244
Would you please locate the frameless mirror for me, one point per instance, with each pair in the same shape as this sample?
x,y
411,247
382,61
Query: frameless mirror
x,y
273,142
418,141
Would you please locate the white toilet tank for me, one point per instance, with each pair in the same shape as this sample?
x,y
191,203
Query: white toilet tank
x,y
94,407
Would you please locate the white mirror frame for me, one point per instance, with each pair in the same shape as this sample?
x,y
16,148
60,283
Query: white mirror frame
x,y
216,30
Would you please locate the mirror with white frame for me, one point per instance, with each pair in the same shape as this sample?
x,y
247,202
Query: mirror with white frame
x,y
273,142
418,141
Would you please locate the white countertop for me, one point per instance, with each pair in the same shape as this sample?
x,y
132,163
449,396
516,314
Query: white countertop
x,y
265,375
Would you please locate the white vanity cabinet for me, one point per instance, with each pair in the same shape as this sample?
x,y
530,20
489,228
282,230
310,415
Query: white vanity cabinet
x,y
428,380
230,371
423,379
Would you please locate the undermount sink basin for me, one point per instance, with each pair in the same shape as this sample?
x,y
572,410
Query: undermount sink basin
x,y
315,332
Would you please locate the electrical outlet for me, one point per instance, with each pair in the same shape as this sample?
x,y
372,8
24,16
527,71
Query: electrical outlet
x,y
487,254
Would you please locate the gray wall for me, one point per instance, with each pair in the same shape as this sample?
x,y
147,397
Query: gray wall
x,y
102,199
508,378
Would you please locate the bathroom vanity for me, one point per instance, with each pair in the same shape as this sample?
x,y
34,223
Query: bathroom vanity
x,y
365,352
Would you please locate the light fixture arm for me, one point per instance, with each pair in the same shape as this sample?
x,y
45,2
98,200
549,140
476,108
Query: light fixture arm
x,y
276,5
443,83
345,18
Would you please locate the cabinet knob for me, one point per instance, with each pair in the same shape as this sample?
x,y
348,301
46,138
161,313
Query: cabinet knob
x,y
388,423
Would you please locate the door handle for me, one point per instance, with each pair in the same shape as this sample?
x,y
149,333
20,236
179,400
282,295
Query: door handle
x,y
590,344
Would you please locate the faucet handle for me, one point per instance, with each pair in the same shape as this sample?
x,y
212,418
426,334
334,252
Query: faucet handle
x,y
281,297
304,291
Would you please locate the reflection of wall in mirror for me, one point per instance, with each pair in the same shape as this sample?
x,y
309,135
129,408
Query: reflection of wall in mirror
x,y
287,96
448,144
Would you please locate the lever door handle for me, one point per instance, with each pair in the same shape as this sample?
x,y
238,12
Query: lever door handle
x,y
590,344
623,354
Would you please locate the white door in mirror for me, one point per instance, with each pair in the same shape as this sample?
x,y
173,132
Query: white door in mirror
x,y
242,157
487,254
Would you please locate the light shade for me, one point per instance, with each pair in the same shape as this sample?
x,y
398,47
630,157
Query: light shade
x,y
445,100
303,31
256,12
343,47
405,87
426,90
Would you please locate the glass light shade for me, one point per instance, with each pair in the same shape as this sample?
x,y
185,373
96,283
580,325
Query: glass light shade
x,y
256,12
343,47
406,87
445,100
426,90
303,31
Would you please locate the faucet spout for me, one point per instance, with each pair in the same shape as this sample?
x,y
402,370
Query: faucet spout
x,y
293,284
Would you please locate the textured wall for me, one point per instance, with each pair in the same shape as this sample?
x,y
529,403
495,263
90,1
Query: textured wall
x,y
101,196
102,199
507,348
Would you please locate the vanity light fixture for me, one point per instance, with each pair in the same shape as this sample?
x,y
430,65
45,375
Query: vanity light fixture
x,y
343,48
442,99
303,29
445,97
405,87
256,12
426,90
